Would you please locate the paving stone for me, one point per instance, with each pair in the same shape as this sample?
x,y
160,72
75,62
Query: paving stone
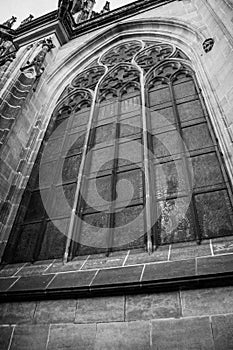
x,y
118,275
55,311
215,264
149,306
33,337
182,334
169,270
5,283
222,327
189,250
72,279
101,309
32,283
123,335
139,256
208,301
5,336
17,312
72,337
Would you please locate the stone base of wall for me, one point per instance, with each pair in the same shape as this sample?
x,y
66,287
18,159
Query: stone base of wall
x,y
183,320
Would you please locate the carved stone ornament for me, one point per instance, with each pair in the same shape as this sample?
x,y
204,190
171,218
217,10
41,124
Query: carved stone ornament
x,y
7,47
89,78
36,65
9,23
208,45
27,20
121,53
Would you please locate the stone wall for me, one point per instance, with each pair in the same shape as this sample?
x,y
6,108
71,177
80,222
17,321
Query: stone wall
x,y
191,319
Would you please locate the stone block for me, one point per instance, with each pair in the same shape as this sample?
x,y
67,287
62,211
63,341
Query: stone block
x,y
17,312
139,256
149,306
123,335
5,283
33,269
98,262
72,279
174,269
216,264
208,301
222,327
32,283
189,250
72,337
182,334
55,311
101,309
222,245
118,275
5,336
31,337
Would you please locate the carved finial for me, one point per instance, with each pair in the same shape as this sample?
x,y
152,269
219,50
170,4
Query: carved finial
x,y
9,23
106,7
208,44
27,20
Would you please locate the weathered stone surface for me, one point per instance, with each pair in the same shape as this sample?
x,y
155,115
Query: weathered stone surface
x,y
5,336
33,269
72,279
123,335
216,264
222,245
70,266
72,337
5,283
55,311
173,269
209,301
101,309
17,312
149,306
100,261
139,256
182,334
32,283
223,332
31,337
189,250
118,275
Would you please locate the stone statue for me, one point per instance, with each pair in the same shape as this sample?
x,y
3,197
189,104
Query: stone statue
x,y
9,23
37,62
106,8
27,20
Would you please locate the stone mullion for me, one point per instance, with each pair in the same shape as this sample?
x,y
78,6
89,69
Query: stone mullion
x,y
80,179
184,162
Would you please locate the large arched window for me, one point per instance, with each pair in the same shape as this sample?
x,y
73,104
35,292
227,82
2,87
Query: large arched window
x,y
131,148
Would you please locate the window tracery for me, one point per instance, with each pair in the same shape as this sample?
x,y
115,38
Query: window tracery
x,y
179,134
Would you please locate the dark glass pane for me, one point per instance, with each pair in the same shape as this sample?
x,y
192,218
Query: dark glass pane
x,y
206,170
71,167
100,186
214,214
94,232
46,173
159,95
35,208
131,127
184,89
80,119
102,160
162,118
167,144
130,153
170,179
108,110
27,243
129,227
129,186
176,221
62,200
105,133
190,111
54,240
131,104
75,143
197,137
